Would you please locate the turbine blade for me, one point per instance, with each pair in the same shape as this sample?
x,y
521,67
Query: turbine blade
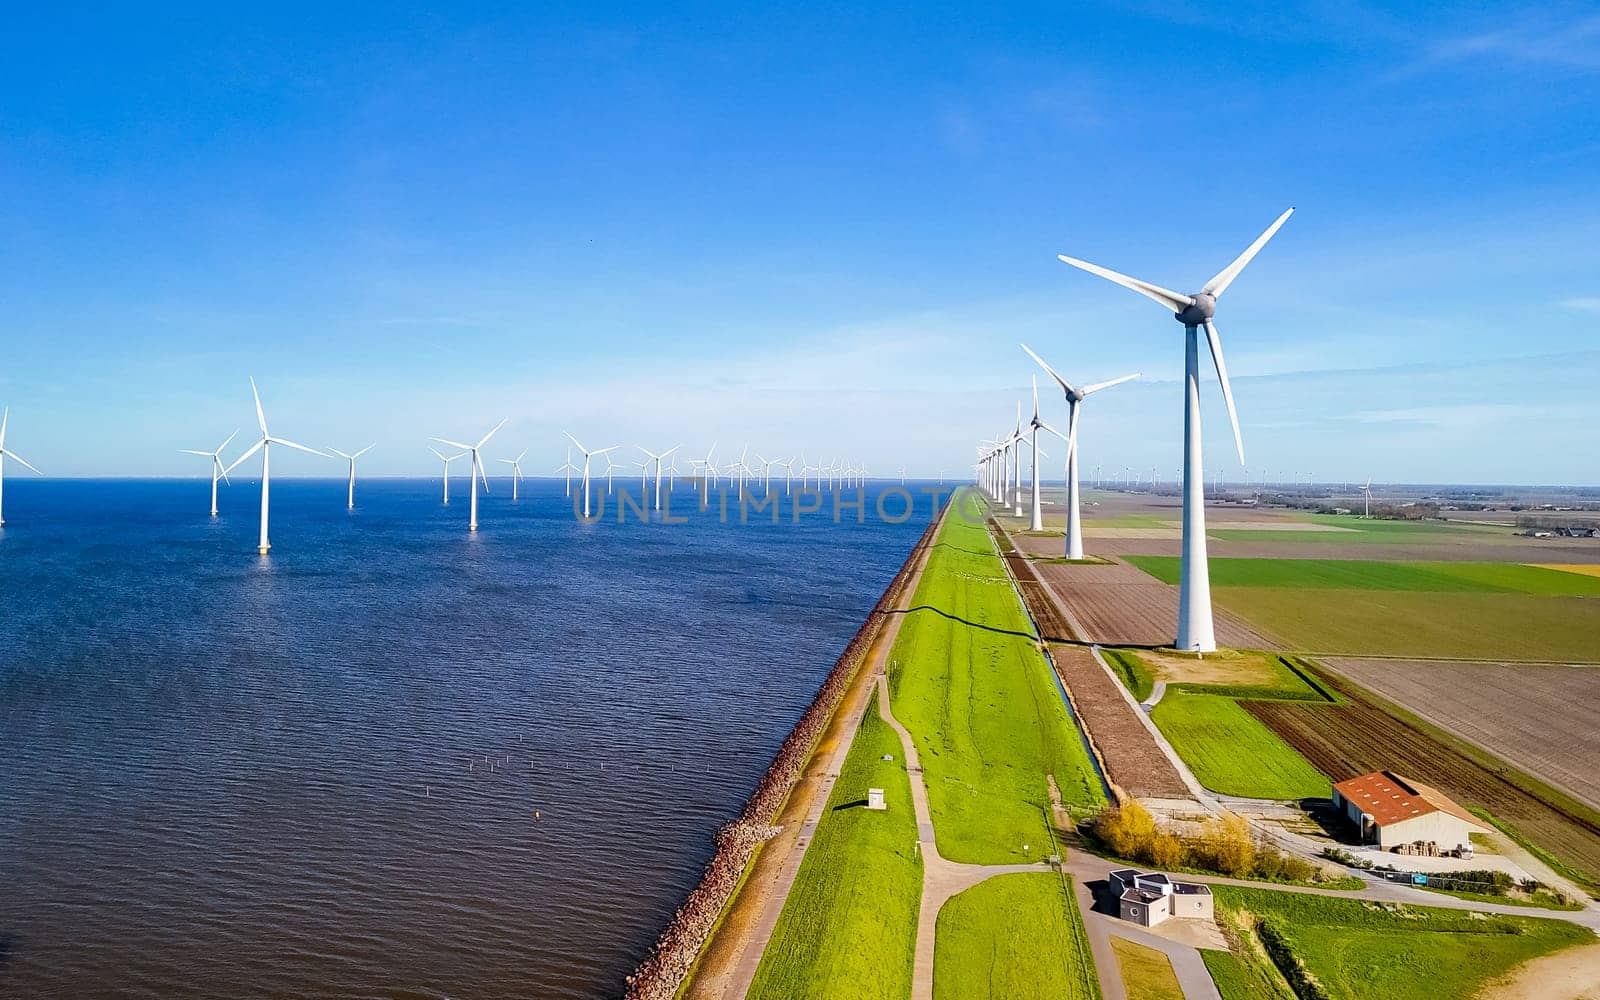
x,y
492,433
1216,286
341,454
1109,383
1046,427
576,442
1227,390
223,446
18,458
248,452
300,447
261,416
5,416
453,444
220,469
1072,432
1172,300
191,451
363,451
437,455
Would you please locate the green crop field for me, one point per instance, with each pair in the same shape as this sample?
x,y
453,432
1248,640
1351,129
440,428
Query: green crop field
x,y
1371,575
1392,623
1231,752
849,925
1146,973
1013,936
1359,949
1356,530
980,700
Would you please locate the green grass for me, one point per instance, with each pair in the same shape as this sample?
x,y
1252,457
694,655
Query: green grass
x,y
1542,899
849,925
1241,979
1231,752
1359,949
1013,936
1131,668
1468,626
1372,575
1146,973
979,698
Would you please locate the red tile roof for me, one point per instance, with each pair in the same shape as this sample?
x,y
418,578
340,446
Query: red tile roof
x,y
1389,798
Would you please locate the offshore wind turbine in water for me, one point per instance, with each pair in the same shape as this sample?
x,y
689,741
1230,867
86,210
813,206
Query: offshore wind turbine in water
x,y
350,499
265,447
474,469
1196,629
5,418
446,459
218,471
1075,398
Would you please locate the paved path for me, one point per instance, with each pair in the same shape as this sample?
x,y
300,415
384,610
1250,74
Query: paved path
x,y
941,879
1158,690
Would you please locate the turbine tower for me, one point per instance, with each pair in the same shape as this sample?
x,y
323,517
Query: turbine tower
x,y
569,469
446,459
516,472
5,416
1196,630
217,470
265,447
350,500
656,459
475,469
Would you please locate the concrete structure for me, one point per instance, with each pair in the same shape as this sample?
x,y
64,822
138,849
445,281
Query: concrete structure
x,y
1394,812
1150,898
875,799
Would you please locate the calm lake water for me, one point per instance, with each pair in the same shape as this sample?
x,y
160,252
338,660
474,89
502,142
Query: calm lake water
x,y
392,759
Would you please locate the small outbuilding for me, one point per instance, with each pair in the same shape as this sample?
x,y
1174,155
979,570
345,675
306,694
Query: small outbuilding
x,y
1397,813
1149,898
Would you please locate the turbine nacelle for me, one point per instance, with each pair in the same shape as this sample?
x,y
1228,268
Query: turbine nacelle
x,y
1202,306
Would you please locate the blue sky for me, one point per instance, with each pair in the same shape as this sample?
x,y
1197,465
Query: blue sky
x,y
819,228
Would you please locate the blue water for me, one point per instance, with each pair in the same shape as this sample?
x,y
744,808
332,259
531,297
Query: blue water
x,y
392,758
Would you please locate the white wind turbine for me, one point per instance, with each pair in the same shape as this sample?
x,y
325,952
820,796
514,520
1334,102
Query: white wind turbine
x,y
265,447
1035,425
657,459
217,470
569,469
766,472
788,474
1196,630
475,469
1366,494
587,456
611,469
516,471
350,500
1075,398
5,417
446,459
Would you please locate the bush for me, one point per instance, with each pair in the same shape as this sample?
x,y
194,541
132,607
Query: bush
x,y
1226,845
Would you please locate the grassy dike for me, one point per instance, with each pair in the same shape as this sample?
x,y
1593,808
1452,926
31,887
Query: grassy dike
x,y
1013,936
849,925
969,682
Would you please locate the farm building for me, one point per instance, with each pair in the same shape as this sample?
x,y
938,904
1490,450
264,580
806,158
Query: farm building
x,y
1395,812
1148,898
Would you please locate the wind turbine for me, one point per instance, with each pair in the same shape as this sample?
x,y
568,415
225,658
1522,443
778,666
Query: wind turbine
x,y
611,468
587,455
1035,425
5,416
446,459
350,503
657,459
1196,630
217,470
569,469
788,474
475,469
265,447
1366,493
516,471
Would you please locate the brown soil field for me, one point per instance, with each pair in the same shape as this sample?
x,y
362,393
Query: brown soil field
x,y
1119,605
1470,549
1544,719
1131,757
1345,740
